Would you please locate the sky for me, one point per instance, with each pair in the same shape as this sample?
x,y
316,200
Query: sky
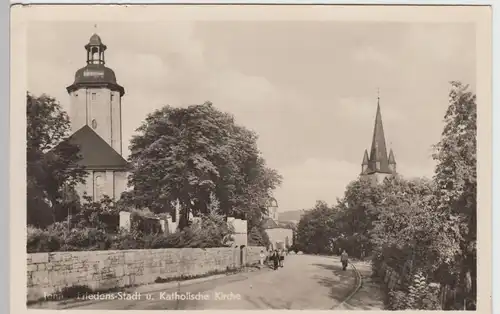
x,y
307,88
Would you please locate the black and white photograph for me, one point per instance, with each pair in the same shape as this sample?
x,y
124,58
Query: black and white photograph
x,y
191,157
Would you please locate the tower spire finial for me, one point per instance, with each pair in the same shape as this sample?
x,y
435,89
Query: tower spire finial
x,y
378,95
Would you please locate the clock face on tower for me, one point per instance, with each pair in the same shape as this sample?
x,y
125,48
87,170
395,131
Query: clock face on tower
x,y
94,124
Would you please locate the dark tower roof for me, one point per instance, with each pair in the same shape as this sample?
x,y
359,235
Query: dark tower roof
x,y
95,40
365,158
269,223
95,74
392,160
378,160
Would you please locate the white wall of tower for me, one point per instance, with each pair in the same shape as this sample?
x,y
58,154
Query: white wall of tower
x,y
116,121
100,109
78,109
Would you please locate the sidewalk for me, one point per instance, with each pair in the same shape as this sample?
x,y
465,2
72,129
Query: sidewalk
x,y
370,296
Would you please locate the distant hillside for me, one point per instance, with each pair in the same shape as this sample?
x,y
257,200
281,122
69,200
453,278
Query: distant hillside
x,y
292,215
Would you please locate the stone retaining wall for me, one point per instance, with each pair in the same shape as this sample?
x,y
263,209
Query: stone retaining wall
x,y
253,253
48,273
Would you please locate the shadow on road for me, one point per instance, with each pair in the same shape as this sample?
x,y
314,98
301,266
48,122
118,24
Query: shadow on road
x,y
340,283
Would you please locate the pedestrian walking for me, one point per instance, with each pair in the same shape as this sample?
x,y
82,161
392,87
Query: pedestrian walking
x,y
275,258
344,258
262,257
282,257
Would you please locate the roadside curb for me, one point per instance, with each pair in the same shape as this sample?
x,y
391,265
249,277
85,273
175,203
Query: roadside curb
x,y
359,283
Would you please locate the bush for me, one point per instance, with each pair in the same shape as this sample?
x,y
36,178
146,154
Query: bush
x,y
294,248
126,240
86,239
210,230
91,232
258,237
39,240
57,237
103,214
144,221
419,296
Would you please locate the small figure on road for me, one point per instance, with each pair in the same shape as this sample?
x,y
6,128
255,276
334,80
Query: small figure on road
x,y
344,258
282,257
262,257
275,258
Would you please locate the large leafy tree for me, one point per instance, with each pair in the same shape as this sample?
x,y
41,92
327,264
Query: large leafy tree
x,y
51,161
314,231
456,177
184,155
408,229
357,211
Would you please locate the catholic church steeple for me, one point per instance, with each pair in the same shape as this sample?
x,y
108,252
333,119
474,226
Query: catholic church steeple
x,y
378,164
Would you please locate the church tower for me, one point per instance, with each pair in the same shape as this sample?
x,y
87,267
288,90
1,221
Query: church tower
x,y
95,116
378,165
95,97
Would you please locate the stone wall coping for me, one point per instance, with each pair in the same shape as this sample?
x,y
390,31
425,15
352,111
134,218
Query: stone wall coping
x,y
111,252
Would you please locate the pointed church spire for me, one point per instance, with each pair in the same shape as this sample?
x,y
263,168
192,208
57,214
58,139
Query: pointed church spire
x,y
392,160
378,154
365,163
365,158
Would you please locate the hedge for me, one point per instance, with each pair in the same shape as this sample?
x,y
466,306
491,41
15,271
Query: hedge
x,y
55,238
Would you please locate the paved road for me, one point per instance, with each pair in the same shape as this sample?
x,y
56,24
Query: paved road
x,y
305,282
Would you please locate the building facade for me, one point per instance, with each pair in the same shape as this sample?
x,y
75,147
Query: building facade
x,y
279,235
95,114
378,164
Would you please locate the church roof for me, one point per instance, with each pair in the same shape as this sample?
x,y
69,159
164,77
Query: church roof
x,y
95,152
365,158
95,75
269,223
95,40
392,160
378,152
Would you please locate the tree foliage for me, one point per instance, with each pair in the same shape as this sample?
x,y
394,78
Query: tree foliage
x,y
314,231
212,229
357,211
408,223
51,161
456,179
102,214
187,154
419,296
